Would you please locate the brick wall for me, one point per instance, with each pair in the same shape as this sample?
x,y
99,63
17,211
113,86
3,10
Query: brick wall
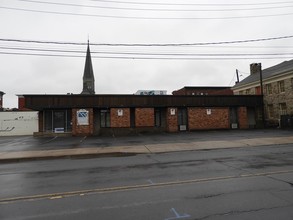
x,y
172,120
122,120
144,117
242,118
21,104
198,119
82,129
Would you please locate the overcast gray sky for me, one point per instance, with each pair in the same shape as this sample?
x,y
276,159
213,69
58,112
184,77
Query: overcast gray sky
x,y
124,69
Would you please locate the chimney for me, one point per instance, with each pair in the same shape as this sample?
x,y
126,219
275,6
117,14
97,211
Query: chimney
x,y
255,68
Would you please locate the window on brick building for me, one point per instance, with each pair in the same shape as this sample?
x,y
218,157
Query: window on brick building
x,y
270,109
269,90
283,109
105,118
257,90
281,86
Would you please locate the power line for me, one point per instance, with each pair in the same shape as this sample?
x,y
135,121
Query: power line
x,y
189,4
145,58
150,45
148,54
144,18
155,9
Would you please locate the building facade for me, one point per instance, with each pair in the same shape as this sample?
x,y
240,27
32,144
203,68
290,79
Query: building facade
x,y
126,114
277,89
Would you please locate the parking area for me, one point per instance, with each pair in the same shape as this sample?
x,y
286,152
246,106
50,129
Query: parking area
x,y
30,143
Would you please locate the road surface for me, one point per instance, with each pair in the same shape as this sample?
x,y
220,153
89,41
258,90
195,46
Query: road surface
x,y
242,183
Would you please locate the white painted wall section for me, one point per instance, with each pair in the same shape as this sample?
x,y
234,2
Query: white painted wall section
x,y
18,123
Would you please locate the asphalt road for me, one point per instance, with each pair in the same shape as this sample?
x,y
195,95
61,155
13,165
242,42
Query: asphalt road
x,y
243,183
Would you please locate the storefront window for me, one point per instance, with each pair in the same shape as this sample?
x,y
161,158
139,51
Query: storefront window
x,y
105,118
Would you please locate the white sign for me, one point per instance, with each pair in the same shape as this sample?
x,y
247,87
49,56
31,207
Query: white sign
x,y
209,111
120,112
82,117
172,111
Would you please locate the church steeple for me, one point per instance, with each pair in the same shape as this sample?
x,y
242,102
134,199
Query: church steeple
x,y
88,74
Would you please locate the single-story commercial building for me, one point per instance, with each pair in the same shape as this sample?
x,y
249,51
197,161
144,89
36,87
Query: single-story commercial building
x,y
124,114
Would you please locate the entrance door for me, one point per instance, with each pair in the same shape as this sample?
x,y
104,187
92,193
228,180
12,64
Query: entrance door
x,y
251,117
233,118
182,119
59,121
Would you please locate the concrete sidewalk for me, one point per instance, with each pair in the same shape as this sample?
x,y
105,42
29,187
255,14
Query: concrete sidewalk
x,y
6,157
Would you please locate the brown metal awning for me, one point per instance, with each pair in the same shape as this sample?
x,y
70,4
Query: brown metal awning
x,y
40,102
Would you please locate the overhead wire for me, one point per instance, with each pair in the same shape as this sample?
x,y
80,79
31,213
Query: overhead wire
x,y
148,54
27,47
150,44
146,58
144,17
154,9
190,4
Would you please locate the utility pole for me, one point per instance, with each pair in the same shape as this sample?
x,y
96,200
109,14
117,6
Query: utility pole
x,y
237,76
262,94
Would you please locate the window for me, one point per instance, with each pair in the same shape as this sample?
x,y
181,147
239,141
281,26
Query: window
x,y
247,92
105,118
157,118
257,90
283,109
57,120
270,109
281,86
269,89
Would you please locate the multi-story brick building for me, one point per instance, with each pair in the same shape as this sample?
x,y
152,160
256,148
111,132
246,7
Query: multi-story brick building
x,y
277,89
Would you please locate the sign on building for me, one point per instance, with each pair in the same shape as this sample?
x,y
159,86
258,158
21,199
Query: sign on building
x,y
82,117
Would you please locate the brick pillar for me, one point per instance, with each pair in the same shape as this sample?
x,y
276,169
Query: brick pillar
x,y
172,120
243,118
82,129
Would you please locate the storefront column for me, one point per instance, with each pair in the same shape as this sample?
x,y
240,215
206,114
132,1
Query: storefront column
x,y
82,122
172,120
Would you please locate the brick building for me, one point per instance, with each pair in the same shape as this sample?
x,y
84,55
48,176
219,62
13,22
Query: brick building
x,y
277,89
124,114
204,90
90,114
